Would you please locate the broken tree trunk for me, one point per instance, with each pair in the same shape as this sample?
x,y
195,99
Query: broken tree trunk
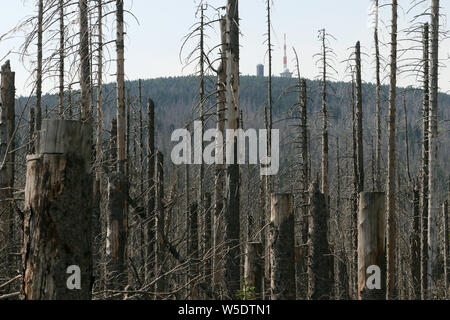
x,y
116,234
282,247
415,246
193,250
58,203
319,266
7,159
371,246
160,270
253,267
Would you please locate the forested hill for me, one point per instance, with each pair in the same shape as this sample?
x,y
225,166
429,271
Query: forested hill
x,y
176,102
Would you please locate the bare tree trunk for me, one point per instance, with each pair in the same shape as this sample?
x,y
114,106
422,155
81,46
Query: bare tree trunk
x,y
359,121
150,219
207,240
193,250
58,197
434,268
61,58
231,277
85,71
325,147
31,121
425,168
38,117
253,267
220,170
415,246
282,247
371,244
446,249
392,166
160,269
7,159
320,281
378,89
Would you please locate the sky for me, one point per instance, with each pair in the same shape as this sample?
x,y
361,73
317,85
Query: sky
x,y
156,29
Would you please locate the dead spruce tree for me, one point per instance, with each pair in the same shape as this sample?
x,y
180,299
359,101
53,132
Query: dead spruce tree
x,y
231,276
7,167
434,267
391,175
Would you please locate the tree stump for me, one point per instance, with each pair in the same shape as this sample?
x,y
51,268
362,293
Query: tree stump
x,y
58,204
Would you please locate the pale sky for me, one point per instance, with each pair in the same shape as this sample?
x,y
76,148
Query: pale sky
x,y
153,43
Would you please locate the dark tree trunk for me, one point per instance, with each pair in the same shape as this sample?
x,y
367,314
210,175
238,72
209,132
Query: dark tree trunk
x,y
282,247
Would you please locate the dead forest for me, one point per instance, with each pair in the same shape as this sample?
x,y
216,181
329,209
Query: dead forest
x,y
92,207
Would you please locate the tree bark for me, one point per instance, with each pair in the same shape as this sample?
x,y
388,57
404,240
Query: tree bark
x,y
231,278
85,60
160,252
7,160
320,281
392,166
359,121
425,168
434,267
371,243
282,247
253,267
58,200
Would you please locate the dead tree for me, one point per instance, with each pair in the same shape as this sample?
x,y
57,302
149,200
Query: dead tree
x,y
150,231
359,121
231,276
434,267
160,269
61,58
446,249
371,246
378,90
7,160
85,60
58,198
392,165
38,117
282,247
253,267
415,245
325,147
319,265
193,250
219,180
425,159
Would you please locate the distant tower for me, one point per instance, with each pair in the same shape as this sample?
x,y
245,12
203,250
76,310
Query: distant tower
x,y
286,73
260,71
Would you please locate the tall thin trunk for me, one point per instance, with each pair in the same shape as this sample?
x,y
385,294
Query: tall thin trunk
x,y
61,58
434,267
160,269
220,170
392,165
425,160
150,233
121,117
325,147
38,117
85,71
232,222
359,121
378,89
